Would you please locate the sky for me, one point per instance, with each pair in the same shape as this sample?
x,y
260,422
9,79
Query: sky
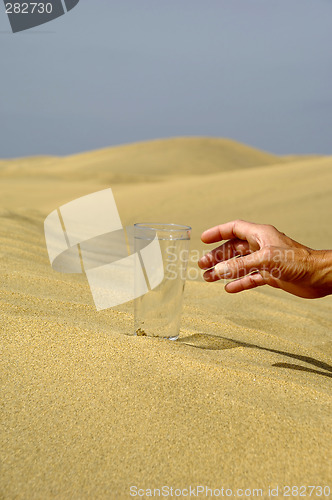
x,y
113,72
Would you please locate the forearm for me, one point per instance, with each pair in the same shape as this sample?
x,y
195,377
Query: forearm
x,y
322,276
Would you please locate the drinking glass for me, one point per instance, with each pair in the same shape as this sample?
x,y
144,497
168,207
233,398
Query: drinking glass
x,y
163,251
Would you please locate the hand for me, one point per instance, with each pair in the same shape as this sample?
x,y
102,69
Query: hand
x,y
265,256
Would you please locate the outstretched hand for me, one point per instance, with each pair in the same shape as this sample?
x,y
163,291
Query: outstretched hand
x,y
265,256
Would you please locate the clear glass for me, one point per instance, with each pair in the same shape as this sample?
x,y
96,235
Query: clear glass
x,y
157,313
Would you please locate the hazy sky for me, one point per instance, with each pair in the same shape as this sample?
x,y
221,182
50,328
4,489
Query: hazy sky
x,y
112,72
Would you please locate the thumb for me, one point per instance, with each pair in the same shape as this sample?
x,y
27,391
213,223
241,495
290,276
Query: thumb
x,y
235,268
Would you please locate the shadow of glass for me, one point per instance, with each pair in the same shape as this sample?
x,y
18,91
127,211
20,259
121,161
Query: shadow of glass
x,y
302,368
205,341
213,342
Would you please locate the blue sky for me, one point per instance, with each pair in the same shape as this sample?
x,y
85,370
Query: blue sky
x,y
107,73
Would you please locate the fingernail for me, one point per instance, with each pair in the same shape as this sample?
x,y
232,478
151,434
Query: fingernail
x,y
222,270
204,261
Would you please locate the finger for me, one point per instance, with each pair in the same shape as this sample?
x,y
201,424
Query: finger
x,y
230,230
236,268
231,248
246,283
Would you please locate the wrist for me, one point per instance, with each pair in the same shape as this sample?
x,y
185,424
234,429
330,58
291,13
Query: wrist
x,y
322,265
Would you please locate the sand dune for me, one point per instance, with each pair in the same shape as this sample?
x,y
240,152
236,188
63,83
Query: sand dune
x,y
145,161
242,400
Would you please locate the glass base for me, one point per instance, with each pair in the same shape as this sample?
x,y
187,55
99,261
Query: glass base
x,y
141,333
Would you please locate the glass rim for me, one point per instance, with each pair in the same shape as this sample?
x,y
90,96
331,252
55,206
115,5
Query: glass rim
x,y
161,226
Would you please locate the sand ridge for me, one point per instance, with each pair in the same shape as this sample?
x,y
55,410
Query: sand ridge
x,y
145,161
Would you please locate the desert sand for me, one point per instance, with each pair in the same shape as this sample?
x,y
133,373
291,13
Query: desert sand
x,y
241,400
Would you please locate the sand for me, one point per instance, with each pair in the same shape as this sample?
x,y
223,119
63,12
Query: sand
x,y
241,400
